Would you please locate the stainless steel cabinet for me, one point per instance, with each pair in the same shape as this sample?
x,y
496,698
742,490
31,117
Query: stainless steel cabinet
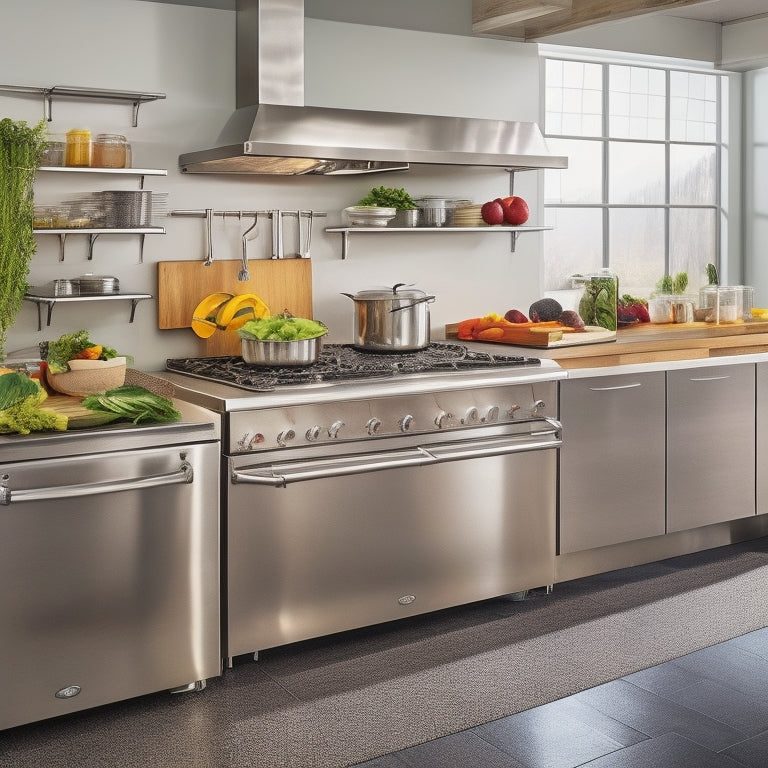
x,y
761,464
612,460
710,445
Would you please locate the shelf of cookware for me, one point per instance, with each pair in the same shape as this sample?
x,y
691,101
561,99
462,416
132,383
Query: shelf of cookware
x,y
51,301
136,98
345,232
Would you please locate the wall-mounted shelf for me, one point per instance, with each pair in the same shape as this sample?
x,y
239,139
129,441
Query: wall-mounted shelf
x,y
140,172
136,98
345,232
36,296
94,233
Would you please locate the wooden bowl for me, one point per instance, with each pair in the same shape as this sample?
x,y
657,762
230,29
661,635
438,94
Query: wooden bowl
x,y
88,377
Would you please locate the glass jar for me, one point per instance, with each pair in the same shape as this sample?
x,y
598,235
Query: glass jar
x,y
722,301
78,154
598,304
109,151
55,150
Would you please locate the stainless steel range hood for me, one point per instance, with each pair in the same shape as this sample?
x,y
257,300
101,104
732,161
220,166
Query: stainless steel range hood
x,y
273,132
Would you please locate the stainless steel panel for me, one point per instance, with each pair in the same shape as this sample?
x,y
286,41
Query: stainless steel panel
x,y
345,552
710,445
612,460
761,420
107,596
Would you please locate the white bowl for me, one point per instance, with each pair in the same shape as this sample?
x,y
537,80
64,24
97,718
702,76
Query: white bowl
x,y
80,365
369,215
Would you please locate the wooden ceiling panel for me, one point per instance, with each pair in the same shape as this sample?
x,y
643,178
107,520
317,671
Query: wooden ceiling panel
x,y
532,19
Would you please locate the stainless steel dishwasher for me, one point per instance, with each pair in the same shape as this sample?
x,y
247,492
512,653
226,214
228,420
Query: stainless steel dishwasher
x,y
109,565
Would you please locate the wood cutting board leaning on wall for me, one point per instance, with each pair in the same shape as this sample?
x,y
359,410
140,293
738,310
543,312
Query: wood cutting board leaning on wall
x,y
282,284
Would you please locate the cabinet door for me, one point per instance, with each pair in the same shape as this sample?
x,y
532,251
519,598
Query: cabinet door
x,y
710,445
611,460
762,438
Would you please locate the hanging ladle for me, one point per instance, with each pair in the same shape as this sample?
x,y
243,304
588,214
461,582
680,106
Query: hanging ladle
x,y
244,275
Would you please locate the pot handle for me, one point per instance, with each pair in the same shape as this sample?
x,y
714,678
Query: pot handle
x,y
420,300
349,295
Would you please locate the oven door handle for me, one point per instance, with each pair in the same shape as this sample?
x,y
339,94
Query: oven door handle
x,y
279,475
534,440
184,474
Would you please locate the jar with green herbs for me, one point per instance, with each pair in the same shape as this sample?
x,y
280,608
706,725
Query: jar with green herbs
x,y
598,304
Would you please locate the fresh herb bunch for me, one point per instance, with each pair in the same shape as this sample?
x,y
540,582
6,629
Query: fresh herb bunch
x,y
598,304
21,148
389,197
68,346
672,285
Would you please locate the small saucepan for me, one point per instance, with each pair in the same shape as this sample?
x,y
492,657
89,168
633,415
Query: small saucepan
x,y
391,319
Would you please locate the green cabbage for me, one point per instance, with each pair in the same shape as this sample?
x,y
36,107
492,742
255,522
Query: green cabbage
x,y
282,328
15,386
26,415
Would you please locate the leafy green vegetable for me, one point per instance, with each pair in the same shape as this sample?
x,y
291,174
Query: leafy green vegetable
x,y
136,404
68,346
282,328
672,285
598,304
15,387
712,276
21,148
389,197
26,415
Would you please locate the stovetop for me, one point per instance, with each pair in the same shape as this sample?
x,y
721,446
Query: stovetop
x,y
342,363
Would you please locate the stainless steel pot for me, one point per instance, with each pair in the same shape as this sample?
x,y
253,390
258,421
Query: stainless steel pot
x,y
392,319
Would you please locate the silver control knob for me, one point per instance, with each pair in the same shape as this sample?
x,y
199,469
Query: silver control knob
x,y
539,405
373,426
313,433
284,436
443,419
471,416
333,430
493,414
406,423
244,443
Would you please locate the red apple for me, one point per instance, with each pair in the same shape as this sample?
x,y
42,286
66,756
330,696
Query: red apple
x,y
492,212
516,210
515,316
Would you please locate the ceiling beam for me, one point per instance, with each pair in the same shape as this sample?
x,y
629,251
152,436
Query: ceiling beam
x,y
506,18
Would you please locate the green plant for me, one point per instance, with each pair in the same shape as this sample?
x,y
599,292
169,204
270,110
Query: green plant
x,y
712,276
388,197
672,285
21,148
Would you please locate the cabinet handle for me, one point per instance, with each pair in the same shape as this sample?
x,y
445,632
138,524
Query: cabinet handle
x,y
710,378
611,389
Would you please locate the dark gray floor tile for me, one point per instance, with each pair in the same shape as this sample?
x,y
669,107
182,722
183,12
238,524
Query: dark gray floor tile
x,y
654,715
726,705
754,642
460,750
732,666
538,740
387,761
669,750
752,753
664,679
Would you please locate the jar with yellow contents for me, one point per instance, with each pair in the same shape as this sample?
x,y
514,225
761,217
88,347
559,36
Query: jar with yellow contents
x,y
78,150
109,151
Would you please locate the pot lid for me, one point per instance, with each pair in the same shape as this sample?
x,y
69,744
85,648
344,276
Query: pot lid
x,y
397,291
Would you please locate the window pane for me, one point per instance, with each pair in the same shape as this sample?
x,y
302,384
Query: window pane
x,y
692,174
636,173
637,103
573,99
574,246
692,243
636,247
693,102
582,182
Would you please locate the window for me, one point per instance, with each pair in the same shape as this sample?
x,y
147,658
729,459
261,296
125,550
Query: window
x,y
642,191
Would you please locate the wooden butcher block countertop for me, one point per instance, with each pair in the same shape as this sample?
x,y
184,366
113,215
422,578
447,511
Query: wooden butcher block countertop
x,y
655,342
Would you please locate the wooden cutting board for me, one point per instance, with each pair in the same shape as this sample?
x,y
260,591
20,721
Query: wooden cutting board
x,y
79,417
527,338
282,284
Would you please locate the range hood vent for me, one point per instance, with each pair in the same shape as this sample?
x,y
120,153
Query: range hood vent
x,y
273,132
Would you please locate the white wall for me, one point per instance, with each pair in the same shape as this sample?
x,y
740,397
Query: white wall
x,y
187,53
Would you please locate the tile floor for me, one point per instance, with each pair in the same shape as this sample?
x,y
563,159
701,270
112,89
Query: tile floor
x,y
708,709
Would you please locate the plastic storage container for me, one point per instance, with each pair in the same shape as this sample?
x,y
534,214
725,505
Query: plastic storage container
x,y
724,303
597,305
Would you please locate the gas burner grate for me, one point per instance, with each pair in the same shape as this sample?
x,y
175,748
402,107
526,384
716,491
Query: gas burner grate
x,y
342,362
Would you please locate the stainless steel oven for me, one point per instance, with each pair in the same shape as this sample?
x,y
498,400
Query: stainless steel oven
x,y
356,501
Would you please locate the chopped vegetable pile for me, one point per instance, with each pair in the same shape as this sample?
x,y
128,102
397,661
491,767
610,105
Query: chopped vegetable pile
x,y
72,346
134,403
20,411
282,328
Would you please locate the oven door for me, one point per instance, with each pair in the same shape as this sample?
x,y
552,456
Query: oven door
x,y
322,544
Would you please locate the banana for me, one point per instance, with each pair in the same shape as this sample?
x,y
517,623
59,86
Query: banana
x,y
239,310
204,316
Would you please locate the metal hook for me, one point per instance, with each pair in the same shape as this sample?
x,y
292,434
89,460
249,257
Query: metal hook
x,y
244,275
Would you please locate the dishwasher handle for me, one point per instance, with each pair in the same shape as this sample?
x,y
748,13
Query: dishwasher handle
x,y
279,475
184,474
